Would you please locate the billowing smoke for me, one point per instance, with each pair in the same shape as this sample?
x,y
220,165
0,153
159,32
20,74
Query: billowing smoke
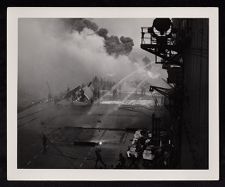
x,y
113,44
79,24
52,51
103,33
116,46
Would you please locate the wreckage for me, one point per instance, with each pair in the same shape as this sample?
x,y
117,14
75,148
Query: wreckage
x,y
81,95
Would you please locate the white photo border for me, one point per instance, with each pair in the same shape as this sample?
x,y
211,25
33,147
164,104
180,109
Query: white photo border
x,y
13,13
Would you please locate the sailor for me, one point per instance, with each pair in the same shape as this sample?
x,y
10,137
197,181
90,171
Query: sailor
x,y
99,158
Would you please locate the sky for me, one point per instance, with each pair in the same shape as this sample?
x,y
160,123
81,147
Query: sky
x,y
51,52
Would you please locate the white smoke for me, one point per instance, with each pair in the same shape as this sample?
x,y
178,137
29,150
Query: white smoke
x,y
48,52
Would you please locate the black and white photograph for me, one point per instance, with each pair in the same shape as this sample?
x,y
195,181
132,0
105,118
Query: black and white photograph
x,y
113,93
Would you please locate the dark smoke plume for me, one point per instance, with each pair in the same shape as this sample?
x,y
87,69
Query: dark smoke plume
x,y
103,33
79,24
116,46
113,44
